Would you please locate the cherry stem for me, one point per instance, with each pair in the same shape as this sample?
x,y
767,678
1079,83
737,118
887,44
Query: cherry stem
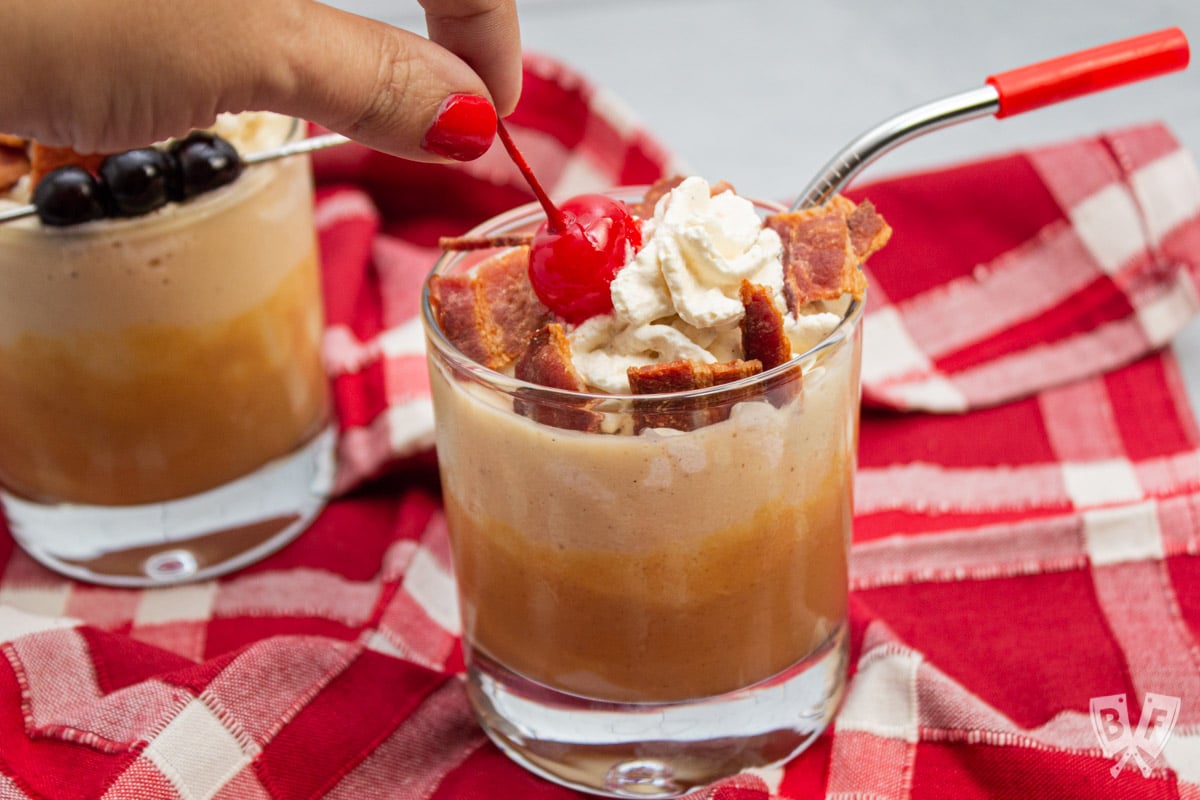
x,y
557,222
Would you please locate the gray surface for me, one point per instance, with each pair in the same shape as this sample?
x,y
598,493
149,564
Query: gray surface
x,y
731,85
763,92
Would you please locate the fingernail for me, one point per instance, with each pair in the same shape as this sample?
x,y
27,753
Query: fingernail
x,y
464,128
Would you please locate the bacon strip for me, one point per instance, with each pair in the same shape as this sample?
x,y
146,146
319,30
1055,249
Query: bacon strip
x,y
685,413
490,315
12,140
818,259
721,186
685,375
645,208
460,243
458,315
821,252
763,337
43,159
13,165
868,231
547,362
503,286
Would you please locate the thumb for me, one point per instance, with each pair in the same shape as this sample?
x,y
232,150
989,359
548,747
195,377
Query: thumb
x,y
388,88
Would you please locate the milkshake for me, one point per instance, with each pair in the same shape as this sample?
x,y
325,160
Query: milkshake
x,y
149,364
650,529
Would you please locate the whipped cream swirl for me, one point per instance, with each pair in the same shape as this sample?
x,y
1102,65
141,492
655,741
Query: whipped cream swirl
x,y
679,298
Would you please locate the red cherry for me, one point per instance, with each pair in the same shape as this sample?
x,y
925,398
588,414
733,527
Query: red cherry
x,y
571,269
578,250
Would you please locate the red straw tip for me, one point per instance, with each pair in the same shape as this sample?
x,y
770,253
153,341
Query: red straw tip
x,y
1093,70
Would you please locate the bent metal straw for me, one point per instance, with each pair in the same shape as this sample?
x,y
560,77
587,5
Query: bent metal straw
x,y
1005,94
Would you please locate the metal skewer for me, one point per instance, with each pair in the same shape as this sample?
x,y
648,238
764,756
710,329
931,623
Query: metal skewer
x,y
20,212
1005,94
300,147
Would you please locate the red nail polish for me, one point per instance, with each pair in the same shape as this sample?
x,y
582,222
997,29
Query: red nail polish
x,y
464,128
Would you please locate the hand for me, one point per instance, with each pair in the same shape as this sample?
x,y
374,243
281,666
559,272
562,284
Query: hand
x,y
102,76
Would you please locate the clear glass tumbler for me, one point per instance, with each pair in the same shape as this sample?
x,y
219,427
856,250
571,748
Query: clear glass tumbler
x,y
648,612
164,415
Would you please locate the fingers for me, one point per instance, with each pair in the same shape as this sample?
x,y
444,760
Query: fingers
x,y
486,35
387,88
83,75
86,74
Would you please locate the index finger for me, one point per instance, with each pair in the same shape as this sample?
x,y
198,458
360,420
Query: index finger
x,y
486,35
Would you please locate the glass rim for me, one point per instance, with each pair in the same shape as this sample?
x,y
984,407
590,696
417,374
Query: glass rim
x,y
513,386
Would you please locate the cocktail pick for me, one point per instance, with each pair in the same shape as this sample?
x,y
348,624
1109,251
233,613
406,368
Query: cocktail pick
x,y
1005,94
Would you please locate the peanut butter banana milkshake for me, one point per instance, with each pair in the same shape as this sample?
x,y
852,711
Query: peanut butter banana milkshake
x,y
151,358
650,506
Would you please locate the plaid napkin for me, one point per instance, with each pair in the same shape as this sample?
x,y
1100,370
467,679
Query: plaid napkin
x,y
1012,561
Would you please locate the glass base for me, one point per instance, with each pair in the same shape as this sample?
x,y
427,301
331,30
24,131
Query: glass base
x,y
190,539
658,750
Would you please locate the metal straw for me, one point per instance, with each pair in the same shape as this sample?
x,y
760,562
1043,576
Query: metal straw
x,y
1005,94
891,133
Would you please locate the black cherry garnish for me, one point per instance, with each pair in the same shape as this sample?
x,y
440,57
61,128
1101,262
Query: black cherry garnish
x,y
68,195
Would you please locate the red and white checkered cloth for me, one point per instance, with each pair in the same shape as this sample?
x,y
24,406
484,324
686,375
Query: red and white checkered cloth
x,y
1011,561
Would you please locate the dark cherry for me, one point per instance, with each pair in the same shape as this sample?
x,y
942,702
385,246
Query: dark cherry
x,y
136,181
578,250
205,162
68,196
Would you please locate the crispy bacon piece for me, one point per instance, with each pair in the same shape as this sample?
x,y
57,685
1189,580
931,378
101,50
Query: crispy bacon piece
x,y
459,316
502,284
13,164
763,338
823,248
44,158
547,362
686,414
868,231
818,258
12,140
490,314
458,243
644,209
685,375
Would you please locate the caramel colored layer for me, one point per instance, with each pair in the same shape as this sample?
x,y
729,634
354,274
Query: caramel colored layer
x,y
149,412
706,614
658,567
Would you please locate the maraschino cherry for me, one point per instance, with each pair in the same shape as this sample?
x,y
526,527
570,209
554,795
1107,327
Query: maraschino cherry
x,y
578,250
